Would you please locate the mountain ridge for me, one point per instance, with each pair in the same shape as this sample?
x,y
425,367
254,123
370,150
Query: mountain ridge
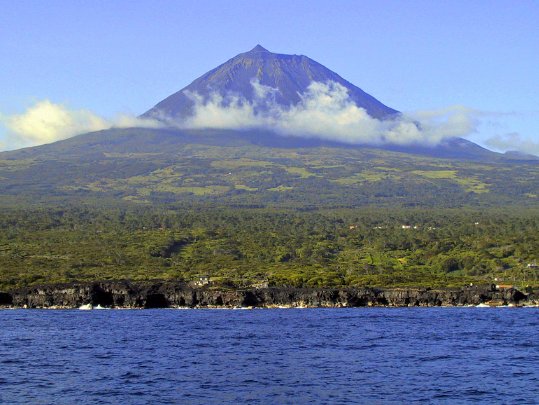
x,y
290,75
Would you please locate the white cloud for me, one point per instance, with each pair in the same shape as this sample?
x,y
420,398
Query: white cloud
x,y
326,111
229,112
47,122
448,122
263,92
513,142
129,121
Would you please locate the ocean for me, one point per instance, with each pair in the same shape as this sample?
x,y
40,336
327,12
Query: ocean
x,y
270,356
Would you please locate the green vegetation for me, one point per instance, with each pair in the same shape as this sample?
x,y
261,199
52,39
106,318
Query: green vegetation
x,y
229,168
241,247
249,207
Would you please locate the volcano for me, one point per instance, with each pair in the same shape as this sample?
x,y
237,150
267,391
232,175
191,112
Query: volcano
x,y
289,76
257,166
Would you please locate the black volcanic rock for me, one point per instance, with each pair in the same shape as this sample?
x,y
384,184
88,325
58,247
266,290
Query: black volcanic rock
x,y
122,294
5,299
289,74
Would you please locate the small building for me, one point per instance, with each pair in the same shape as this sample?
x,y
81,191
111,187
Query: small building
x,y
202,281
532,265
260,285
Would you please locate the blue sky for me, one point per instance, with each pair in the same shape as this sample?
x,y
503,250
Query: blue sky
x,y
107,58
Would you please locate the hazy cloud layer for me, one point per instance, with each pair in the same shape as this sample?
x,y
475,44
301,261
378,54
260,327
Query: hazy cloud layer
x,y
326,111
46,122
513,141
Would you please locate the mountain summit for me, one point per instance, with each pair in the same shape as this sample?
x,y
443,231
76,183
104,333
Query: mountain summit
x,y
288,76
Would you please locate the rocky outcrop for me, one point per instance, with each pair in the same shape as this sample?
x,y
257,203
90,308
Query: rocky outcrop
x,y
5,299
123,294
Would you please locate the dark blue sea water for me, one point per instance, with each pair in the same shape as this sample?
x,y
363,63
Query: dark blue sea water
x,y
364,355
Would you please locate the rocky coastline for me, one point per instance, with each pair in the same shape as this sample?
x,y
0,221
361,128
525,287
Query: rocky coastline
x,y
125,294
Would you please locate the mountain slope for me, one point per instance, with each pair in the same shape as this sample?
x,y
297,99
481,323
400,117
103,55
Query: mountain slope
x,y
246,168
289,74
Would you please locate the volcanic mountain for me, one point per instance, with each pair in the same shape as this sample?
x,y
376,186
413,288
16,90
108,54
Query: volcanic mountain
x,y
288,75
255,166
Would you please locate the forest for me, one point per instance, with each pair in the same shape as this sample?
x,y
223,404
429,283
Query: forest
x,y
243,247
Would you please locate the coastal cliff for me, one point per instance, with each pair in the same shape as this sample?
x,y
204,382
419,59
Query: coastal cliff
x,y
123,294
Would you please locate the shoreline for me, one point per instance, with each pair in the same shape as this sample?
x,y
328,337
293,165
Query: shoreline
x,y
174,295
222,308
